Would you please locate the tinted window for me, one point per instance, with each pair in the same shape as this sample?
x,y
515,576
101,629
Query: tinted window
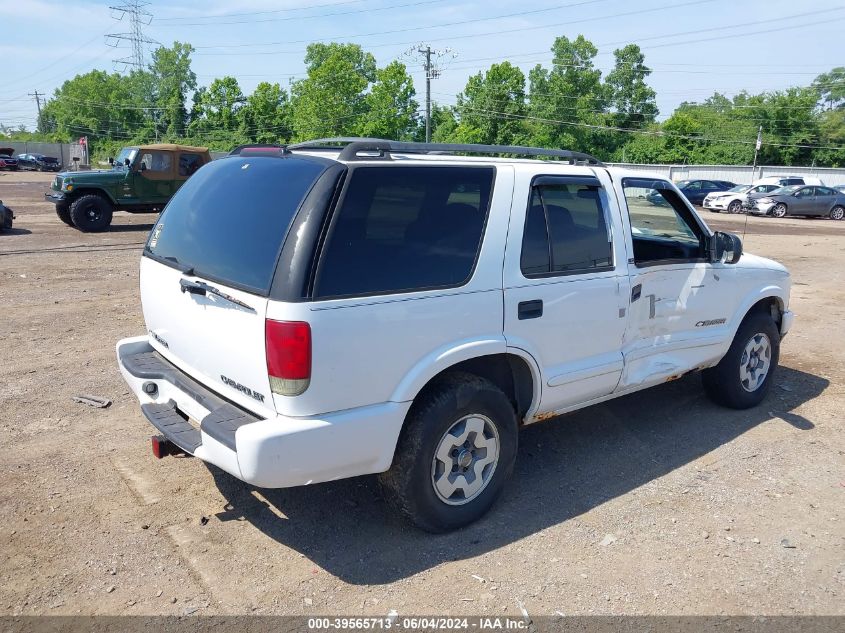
x,y
804,193
229,221
408,228
565,231
824,191
189,163
709,186
793,181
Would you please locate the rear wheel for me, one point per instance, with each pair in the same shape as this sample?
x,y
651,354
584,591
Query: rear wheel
x,y
63,211
837,213
735,207
780,210
91,213
456,451
742,378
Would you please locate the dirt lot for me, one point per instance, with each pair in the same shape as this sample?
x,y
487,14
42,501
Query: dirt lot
x,y
659,502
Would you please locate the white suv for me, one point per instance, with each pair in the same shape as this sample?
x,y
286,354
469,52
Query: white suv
x,y
319,311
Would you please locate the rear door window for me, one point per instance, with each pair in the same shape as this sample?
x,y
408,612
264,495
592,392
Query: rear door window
x,y
566,230
405,229
229,221
188,164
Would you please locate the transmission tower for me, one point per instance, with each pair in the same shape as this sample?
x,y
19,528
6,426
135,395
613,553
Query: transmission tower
x,y
432,62
139,17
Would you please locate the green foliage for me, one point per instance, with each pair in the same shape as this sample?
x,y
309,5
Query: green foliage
x,y
568,104
391,111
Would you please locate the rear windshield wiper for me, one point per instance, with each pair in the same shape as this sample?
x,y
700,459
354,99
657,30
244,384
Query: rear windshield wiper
x,y
201,288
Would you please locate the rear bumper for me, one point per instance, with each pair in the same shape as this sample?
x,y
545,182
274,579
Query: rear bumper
x,y
278,452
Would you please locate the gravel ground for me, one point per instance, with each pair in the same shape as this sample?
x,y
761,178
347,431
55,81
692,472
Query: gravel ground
x,y
656,503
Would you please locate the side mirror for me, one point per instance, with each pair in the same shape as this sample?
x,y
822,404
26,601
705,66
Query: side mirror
x,y
111,161
143,167
126,162
725,248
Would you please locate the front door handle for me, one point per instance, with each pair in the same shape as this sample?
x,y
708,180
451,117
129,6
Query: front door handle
x,y
530,309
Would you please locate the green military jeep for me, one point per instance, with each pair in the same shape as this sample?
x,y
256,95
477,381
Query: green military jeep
x,y
142,179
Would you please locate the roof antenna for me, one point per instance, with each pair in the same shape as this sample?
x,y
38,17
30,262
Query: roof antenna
x,y
757,147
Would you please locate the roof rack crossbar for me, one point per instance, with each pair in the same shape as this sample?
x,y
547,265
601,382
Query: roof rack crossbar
x,y
354,146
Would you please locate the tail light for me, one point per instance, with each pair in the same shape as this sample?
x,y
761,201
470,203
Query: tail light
x,y
288,345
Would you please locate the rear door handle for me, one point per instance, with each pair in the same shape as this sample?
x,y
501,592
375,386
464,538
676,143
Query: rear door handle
x,y
530,309
636,292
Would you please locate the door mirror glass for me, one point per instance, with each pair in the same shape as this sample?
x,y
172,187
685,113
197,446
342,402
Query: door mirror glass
x,y
725,248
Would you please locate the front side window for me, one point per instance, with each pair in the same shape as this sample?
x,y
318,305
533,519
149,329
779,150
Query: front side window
x,y
807,192
401,229
566,230
662,226
706,185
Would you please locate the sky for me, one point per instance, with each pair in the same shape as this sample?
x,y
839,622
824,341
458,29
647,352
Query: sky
x,y
696,47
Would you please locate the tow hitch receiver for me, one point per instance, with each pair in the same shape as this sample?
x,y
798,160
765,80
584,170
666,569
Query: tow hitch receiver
x,y
162,447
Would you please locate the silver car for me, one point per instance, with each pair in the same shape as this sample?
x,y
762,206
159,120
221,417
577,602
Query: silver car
x,y
808,200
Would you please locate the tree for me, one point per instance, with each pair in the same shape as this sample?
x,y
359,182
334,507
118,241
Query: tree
x,y
265,117
331,99
569,98
390,105
172,80
632,101
831,88
492,107
219,105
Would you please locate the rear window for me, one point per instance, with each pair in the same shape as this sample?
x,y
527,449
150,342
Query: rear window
x,y
228,222
404,229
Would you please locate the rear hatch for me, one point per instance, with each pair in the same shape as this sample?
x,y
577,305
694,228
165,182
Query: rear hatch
x,y
208,267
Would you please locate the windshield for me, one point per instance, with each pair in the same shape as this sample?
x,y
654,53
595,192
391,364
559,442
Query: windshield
x,y
785,190
683,184
126,153
740,188
228,221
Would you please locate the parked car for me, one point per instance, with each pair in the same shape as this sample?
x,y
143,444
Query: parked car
x,y
142,179
7,159
785,181
319,312
732,199
799,200
694,190
6,217
39,162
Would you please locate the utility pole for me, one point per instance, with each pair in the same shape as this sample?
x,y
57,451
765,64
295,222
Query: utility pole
x,y
38,96
432,71
757,149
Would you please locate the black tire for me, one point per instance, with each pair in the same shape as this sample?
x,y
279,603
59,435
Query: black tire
x,y
409,483
723,382
837,212
63,211
735,207
91,213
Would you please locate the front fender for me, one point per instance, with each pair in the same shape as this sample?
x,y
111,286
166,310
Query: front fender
x,y
768,291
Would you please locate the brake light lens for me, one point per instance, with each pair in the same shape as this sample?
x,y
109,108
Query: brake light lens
x,y
288,345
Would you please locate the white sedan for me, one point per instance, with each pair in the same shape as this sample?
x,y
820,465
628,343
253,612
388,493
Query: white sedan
x,y
731,200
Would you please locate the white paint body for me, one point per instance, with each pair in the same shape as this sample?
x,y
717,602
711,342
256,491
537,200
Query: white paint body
x,y
372,356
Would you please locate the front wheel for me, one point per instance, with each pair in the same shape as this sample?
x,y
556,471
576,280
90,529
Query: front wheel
x,y
837,213
456,451
91,213
742,378
780,210
735,207
63,211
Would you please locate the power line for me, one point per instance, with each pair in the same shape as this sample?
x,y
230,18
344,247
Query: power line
x,y
228,15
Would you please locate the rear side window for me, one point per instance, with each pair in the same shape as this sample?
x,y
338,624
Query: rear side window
x,y
189,163
566,231
228,222
405,229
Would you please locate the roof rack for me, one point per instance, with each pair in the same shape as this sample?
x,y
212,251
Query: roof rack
x,y
265,148
352,147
